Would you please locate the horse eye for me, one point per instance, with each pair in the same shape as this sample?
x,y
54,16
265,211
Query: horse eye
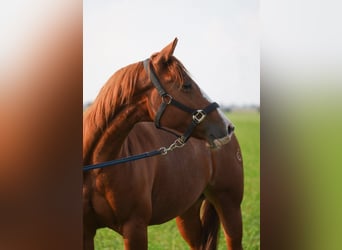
x,y
186,86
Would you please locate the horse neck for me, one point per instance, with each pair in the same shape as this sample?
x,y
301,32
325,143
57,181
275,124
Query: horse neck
x,y
103,145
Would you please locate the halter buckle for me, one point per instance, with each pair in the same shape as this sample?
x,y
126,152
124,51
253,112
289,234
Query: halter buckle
x,y
166,98
198,116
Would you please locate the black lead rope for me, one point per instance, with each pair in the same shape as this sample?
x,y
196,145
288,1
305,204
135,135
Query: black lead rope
x,y
162,151
124,160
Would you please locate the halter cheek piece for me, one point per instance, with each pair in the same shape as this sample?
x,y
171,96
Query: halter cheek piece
x,y
198,115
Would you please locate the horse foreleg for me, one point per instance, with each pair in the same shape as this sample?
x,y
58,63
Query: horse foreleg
x,y
190,227
135,234
88,239
230,215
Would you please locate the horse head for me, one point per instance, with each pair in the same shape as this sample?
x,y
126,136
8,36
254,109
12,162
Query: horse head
x,y
176,102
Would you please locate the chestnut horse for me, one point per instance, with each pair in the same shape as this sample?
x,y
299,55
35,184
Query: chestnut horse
x,y
158,89
176,184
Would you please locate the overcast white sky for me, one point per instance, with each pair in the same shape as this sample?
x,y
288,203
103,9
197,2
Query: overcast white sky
x,y
218,42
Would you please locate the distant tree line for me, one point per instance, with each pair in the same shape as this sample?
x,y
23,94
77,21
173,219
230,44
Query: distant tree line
x,y
236,108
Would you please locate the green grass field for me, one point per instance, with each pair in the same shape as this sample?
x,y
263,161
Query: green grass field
x,y
166,236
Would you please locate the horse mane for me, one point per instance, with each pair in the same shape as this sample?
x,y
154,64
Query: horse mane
x,y
119,90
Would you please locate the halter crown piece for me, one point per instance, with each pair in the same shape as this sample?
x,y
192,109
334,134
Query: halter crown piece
x,y
198,115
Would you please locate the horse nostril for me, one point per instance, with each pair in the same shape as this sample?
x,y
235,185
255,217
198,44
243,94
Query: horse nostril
x,y
231,129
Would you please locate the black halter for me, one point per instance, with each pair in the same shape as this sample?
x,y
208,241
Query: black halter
x,y
198,115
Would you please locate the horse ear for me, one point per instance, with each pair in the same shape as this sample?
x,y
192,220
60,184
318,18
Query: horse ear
x,y
164,55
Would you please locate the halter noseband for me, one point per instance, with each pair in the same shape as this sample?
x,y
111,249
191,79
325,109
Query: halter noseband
x,y
198,115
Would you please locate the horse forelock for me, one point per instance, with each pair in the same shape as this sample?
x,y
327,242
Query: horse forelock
x,y
117,91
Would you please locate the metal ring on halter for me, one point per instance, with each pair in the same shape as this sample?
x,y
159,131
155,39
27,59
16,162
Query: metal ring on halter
x,y
198,116
167,99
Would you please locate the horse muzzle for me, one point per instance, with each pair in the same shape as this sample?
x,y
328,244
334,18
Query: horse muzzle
x,y
217,143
